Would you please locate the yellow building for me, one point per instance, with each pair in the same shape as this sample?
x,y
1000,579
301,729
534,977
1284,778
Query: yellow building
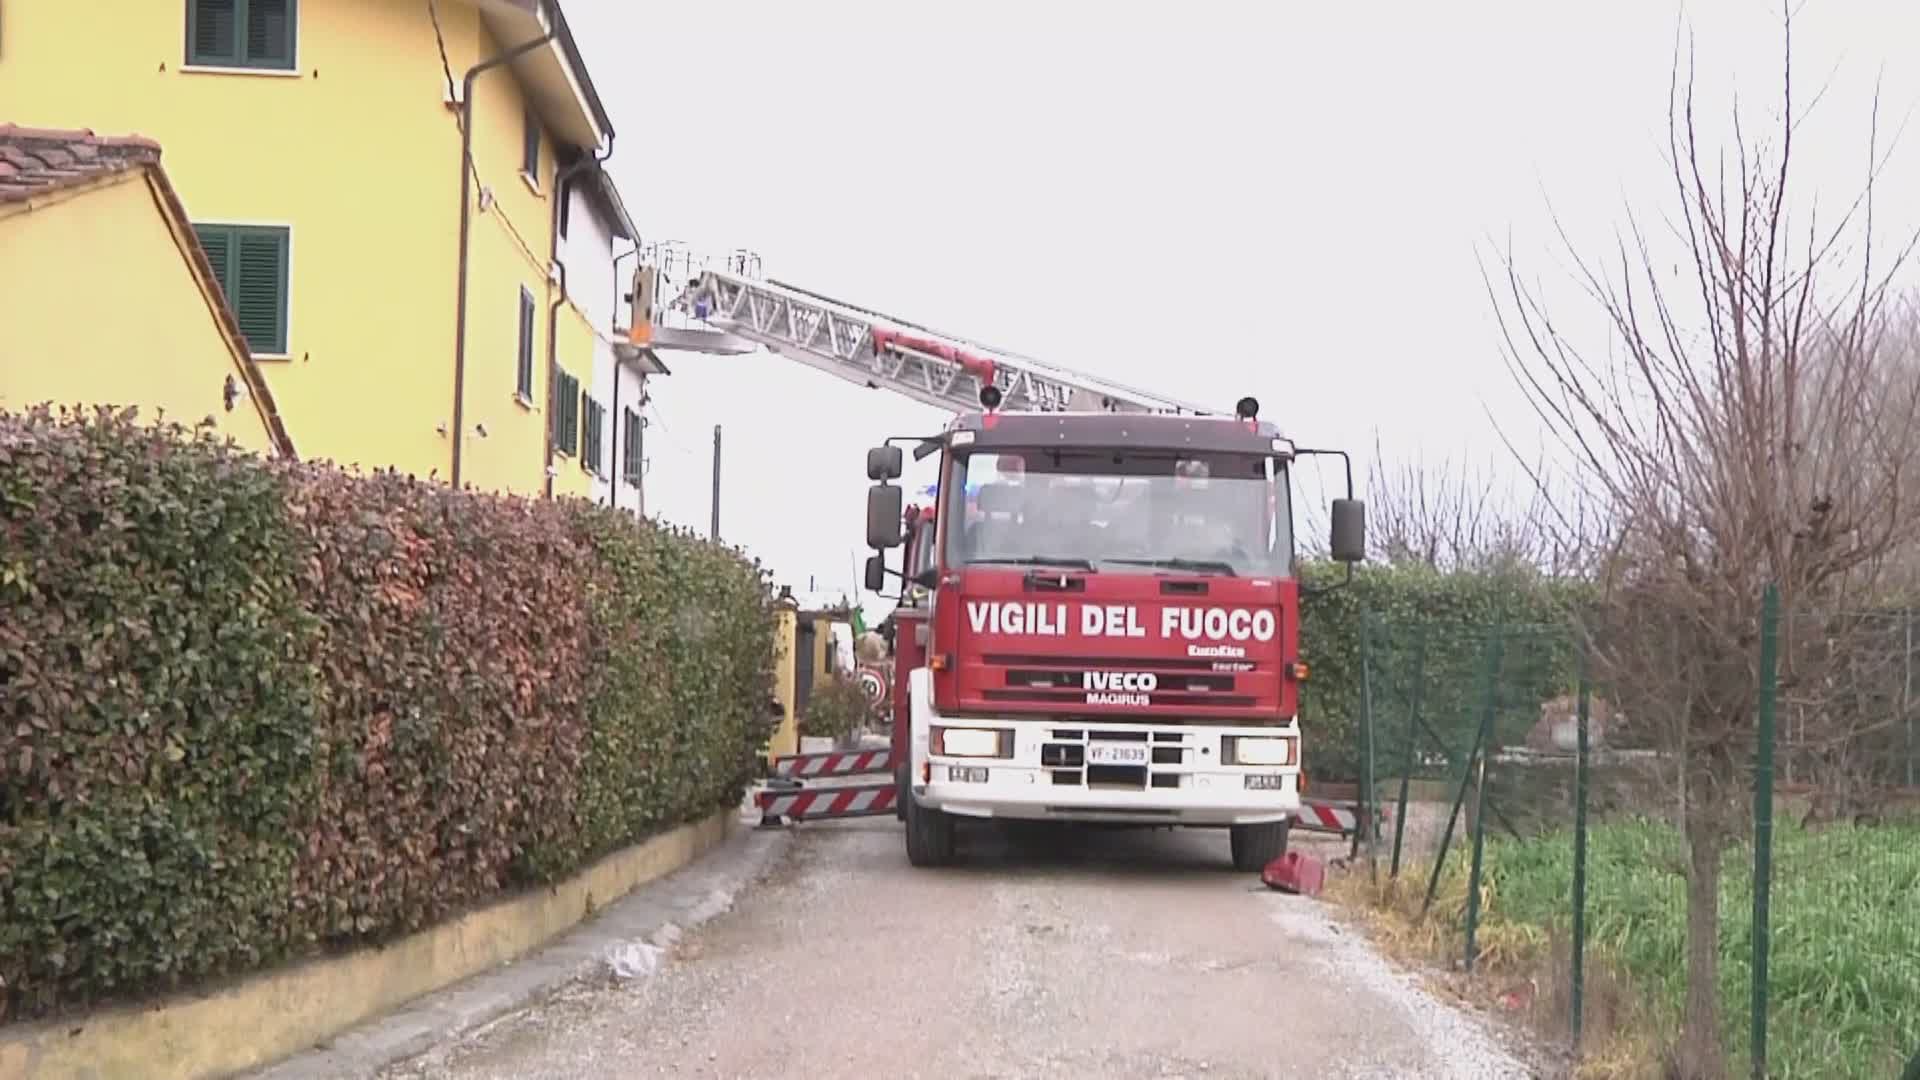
x,y
317,146
105,294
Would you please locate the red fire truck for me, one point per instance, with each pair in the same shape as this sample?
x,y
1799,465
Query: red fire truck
x,y
1098,619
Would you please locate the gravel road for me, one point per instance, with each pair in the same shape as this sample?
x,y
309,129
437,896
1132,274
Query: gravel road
x,y
1108,954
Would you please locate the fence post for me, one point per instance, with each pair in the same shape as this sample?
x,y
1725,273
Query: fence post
x,y
1480,795
1763,820
1413,741
1453,815
1906,700
1366,819
1580,765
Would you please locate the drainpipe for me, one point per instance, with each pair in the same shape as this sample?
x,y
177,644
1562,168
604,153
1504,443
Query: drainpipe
x,y
466,228
560,195
618,420
613,467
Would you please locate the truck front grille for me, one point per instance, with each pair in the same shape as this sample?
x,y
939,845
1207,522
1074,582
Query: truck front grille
x,y
1064,756
1035,678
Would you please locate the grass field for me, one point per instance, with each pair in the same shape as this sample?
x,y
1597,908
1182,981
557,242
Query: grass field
x,y
1845,961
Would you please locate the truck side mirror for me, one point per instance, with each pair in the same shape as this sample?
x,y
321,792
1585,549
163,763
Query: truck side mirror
x,y
876,573
884,463
1349,530
885,503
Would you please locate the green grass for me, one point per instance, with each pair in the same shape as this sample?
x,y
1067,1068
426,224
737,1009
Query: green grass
x,y
1845,956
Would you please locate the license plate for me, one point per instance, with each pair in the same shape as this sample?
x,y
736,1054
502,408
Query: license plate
x,y
1116,754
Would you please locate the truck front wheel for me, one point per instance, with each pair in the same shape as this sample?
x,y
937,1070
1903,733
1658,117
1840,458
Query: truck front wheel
x,y
1254,846
929,835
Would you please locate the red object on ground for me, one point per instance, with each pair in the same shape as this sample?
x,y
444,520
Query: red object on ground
x,y
1295,872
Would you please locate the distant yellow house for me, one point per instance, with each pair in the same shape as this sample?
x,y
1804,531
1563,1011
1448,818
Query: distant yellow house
x,y
106,296
408,311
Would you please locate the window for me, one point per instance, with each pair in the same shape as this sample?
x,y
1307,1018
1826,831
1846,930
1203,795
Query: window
x,y
530,147
565,195
566,413
250,263
242,33
523,373
1123,512
631,447
591,437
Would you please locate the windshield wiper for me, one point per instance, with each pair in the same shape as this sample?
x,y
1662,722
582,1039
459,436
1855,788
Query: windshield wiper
x,y
1198,566
1035,560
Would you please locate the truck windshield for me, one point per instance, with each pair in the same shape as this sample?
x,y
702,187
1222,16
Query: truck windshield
x,y
1125,512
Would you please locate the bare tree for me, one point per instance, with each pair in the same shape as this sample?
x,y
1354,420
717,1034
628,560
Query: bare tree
x,y
1749,426
1455,518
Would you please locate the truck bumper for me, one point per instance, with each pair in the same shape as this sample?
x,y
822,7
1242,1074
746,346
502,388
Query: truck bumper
x,y
1183,783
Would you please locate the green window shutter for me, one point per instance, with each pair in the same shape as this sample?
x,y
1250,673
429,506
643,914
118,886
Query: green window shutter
x,y
566,408
586,412
218,244
591,451
260,288
242,33
250,263
213,32
523,373
573,415
630,455
530,144
269,41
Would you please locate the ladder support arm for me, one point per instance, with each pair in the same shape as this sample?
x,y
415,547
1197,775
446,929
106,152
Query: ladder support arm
x,y
869,350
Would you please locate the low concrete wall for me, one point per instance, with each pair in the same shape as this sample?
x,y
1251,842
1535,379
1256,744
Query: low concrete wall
x,y
264,1018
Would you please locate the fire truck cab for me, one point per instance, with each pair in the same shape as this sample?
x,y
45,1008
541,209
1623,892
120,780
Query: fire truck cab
x,y
1099,622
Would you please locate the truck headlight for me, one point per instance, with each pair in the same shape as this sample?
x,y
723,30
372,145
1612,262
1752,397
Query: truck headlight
x,y
1249,750
971,742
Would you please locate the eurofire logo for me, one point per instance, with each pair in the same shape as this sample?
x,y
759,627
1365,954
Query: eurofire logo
x,y
1227,652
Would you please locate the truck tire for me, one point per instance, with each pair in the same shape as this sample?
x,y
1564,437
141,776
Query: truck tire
x,y
1254,846
929,835
900,793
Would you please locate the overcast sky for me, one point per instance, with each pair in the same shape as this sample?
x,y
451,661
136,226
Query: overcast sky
x,y
1208,199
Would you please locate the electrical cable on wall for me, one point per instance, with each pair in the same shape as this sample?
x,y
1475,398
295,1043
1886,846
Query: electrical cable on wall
x,y
652,412
473,168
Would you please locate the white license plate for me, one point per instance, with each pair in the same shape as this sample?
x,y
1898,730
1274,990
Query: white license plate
x,y
1116,754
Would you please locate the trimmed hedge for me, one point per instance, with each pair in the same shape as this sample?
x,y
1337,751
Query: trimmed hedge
x,y
1438,626
251,710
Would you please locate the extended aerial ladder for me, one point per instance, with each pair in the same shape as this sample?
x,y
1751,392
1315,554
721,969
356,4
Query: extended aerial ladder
x,y
879,351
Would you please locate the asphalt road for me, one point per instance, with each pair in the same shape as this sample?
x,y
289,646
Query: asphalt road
x,y
1095,955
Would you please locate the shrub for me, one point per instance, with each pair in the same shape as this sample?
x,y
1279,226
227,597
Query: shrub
x,y
683,667
158,703
453,652
253,709
1439,624
836,708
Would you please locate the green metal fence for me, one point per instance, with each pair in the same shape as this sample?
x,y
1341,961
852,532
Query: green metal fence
x,y
1534,826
